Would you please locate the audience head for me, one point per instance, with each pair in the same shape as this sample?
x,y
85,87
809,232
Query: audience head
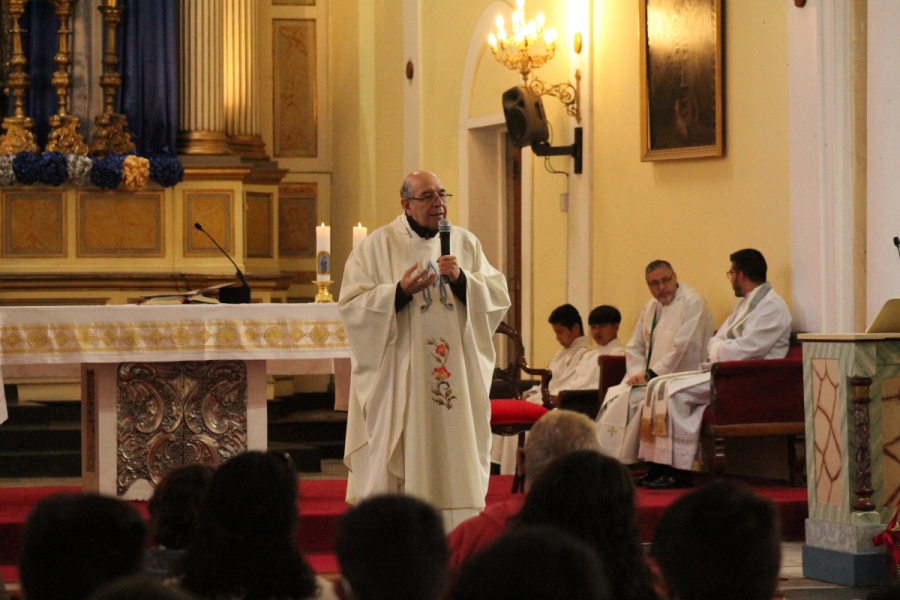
x,y
564,319
662,281
392,546
140,587
886,592
423,200
720,541
604,323
556,434
532,563
175,505
74,543
748,270
591,496
245,544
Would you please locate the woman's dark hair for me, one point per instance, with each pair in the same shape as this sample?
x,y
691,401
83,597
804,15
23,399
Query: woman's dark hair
x,y
175,505
246,544
591,496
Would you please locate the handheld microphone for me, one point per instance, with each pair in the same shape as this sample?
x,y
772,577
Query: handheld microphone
x,y
444,232
239,295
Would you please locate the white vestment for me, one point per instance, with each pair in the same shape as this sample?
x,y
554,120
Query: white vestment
x,y
758,328
419,417
573,368
677,342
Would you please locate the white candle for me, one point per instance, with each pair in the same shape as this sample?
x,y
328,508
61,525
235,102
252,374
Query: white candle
x,y
359,234
323,253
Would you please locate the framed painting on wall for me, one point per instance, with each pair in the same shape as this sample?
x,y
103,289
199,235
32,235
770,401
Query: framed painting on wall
x,y
681,79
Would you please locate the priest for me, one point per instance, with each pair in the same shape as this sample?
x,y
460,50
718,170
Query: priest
x,y
759,328
670,337
420,326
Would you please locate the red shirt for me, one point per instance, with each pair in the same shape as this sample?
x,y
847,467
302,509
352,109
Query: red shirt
x,y
473,534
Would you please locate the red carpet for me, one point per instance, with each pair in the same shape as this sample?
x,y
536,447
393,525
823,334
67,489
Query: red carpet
x,y
322,502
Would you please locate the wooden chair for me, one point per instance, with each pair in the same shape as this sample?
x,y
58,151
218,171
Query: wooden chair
x,y
753,398
588,402
510,415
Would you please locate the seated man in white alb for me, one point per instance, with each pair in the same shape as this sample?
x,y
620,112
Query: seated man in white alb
x,y
759,327
670,337
604,324
569,330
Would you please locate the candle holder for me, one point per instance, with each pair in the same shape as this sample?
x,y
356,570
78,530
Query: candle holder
x,y
18,136
324,295
111,135
64,136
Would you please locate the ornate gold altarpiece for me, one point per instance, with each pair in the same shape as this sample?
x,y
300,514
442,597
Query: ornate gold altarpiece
x,y
166,385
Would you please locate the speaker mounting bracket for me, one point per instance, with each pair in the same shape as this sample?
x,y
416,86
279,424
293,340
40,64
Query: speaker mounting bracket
x,y
573,150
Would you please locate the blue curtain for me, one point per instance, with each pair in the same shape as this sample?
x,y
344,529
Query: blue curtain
x,y
39,43
148,54
148,40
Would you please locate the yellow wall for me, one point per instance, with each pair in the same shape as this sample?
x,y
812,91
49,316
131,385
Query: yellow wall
x,y
690,212
693,213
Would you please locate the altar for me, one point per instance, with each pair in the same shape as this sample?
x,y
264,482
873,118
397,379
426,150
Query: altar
x,y
165,385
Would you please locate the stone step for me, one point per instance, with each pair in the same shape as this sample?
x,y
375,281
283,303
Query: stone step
x,y
309,427
45,463
52,436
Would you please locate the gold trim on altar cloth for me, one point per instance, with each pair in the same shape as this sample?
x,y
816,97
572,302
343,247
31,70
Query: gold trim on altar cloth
x,y
149,337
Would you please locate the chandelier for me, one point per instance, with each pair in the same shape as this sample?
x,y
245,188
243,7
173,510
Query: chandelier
x,y
519,52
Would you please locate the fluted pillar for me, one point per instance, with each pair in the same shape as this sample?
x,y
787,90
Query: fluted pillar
x,y
242,79
201,102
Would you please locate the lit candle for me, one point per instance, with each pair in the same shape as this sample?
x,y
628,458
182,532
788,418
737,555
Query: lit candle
x,y
359,234
323,253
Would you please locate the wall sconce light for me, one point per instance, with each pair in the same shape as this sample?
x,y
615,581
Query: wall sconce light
x,y
518,53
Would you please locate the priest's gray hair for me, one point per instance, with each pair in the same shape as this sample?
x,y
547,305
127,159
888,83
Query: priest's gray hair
x,y
657,264
405,190
556,434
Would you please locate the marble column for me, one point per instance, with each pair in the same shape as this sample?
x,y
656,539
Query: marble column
x,y
201,102
242,79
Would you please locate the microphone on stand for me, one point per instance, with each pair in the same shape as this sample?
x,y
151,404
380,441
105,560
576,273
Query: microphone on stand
x,y
444,233
897,243
230,295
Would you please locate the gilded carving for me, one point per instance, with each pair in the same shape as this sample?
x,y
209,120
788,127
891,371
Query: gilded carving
x,y
177,413
296,122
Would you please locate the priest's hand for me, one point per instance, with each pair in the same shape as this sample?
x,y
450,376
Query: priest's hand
x,y
637,379
413,283
449,266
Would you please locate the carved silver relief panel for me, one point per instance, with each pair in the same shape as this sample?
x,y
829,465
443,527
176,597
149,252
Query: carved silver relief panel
x,y
175,413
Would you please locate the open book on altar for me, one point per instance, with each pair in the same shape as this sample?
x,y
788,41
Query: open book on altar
x,y
888,319
191,297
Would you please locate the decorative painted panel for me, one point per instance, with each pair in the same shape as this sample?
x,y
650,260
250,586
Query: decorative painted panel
x,y
294,94
890,419
175,413
827,419
212,209
258,224
123,225
34,224
297,220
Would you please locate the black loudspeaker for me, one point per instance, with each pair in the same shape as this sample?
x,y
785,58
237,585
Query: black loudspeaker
x,y
526,123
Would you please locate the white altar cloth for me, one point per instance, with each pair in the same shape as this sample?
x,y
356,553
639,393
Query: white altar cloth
x,y
122,333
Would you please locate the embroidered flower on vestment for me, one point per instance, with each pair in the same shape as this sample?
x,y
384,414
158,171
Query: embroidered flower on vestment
x,y
441,393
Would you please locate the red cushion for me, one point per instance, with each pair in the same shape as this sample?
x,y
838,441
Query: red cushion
x,y
510,412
